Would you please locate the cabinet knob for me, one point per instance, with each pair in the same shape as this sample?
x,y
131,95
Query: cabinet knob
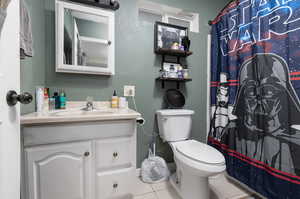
x,y
86,154
115,185
115,154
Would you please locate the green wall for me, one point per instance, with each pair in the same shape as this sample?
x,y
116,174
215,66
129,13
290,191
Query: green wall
x,y
136,64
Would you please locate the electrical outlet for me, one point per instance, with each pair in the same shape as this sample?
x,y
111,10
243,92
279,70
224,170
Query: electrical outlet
x,y
129,91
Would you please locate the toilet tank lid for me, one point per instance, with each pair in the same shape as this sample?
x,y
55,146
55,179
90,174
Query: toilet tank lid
x,y
174,112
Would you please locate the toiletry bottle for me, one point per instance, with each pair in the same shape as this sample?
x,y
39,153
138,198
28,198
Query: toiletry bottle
x,y
46,100
57,102
51,103
123,102
114,100
39,96
62,99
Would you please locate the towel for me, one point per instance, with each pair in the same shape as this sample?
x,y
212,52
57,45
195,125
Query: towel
x,y
26,41
2,18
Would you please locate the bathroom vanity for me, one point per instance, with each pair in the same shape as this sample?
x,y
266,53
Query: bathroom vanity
x,y
76,154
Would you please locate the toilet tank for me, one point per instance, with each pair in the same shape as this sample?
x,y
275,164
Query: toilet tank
x,y
174,124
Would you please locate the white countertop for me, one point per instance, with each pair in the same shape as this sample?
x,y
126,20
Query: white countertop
x,y
75,114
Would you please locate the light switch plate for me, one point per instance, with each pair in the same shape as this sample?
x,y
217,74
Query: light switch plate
x,y
129,91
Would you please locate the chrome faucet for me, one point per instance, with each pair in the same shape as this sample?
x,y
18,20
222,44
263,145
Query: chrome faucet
x,y
89,104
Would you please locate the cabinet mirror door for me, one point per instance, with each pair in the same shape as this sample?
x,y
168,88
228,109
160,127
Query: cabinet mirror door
x,y
85,39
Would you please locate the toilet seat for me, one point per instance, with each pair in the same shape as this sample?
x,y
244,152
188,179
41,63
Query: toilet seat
x,y
200,152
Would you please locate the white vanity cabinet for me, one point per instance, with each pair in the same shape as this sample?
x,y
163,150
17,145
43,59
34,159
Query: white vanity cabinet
x,y
82,160
61,171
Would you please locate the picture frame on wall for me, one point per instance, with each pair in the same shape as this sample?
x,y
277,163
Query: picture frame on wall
x,y
169,36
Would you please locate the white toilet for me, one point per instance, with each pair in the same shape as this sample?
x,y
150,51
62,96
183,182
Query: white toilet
x,y
195,161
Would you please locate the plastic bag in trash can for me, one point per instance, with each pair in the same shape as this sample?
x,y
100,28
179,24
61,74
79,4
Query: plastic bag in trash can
x,y
154,169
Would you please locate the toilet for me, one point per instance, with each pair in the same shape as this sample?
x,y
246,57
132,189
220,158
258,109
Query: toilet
x,y
195,161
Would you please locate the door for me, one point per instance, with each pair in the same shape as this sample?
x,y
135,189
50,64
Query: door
x,y
60,171
10,115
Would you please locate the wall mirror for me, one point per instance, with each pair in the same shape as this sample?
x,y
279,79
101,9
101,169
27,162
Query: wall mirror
x,y
84,39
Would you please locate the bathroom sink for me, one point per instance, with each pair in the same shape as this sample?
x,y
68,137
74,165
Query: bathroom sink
x,y
81,112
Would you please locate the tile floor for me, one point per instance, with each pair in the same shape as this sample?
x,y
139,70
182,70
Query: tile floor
x,y
220,186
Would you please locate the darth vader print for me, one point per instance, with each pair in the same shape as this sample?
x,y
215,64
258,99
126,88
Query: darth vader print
x,y
267,112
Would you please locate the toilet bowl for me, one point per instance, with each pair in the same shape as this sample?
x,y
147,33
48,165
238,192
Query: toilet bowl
x,y
195,161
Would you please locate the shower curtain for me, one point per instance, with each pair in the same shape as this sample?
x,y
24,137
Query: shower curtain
x,y
255,89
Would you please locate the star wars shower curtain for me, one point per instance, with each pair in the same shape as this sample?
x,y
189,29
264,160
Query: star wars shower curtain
x,y
255,89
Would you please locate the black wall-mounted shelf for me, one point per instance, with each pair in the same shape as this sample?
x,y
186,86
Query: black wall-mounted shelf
x,y
177,80
171,52
115,5
174,53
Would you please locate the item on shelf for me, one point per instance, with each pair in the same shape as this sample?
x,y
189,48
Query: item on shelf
x,y
174,98
173,72
180,74
175,46
168,36
185,73
170,70
163,73
186,43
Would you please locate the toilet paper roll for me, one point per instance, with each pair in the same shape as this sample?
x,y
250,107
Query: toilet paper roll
x,y
141,121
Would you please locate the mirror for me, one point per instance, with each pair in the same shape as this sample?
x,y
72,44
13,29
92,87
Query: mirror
x,y
86,35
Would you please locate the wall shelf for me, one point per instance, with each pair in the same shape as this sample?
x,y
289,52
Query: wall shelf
x,y
172,52
115,6
177,80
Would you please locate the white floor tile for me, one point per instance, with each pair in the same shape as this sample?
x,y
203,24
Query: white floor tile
x,y
146,196
168,193
141,188
161,185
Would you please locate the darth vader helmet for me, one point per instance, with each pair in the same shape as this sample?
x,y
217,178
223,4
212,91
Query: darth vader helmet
x,y
266,101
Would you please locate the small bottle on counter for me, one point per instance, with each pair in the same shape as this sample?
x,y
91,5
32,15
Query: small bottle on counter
x,y
114,100
39,96
62,99
123,102
46,100
51,103
57,102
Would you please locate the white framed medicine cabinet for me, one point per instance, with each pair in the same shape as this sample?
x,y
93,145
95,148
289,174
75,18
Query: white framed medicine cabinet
x,y
85,39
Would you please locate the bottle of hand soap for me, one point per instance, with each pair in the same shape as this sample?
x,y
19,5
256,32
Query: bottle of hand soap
x,y
114,100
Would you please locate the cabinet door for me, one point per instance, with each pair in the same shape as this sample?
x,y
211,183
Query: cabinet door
x,y
85,39
61,171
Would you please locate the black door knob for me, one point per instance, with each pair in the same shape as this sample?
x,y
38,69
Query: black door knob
x,y
12,98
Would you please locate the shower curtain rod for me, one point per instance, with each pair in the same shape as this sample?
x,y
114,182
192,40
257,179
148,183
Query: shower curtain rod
x,y
211,21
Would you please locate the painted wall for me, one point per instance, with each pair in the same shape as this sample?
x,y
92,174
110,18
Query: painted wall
x,y
33,69
136,64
